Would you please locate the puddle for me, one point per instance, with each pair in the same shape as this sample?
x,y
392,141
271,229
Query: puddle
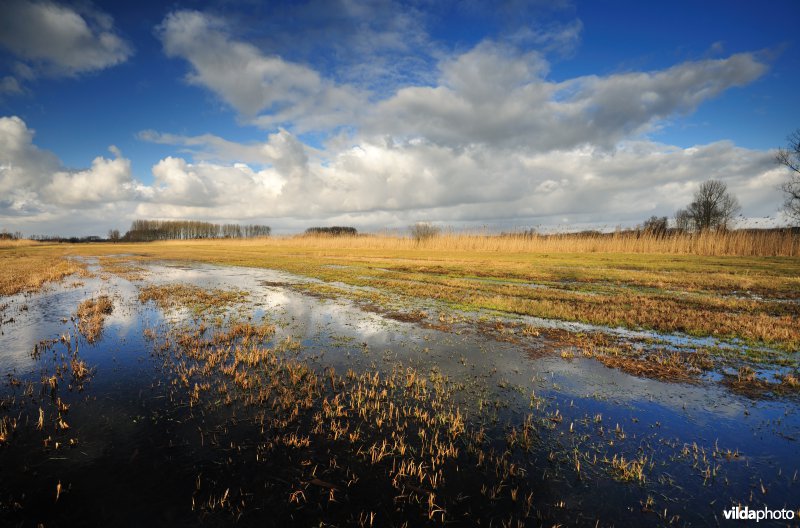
x,y
158,459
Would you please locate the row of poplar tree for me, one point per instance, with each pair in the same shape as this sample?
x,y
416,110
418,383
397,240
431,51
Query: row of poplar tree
x,y
145,230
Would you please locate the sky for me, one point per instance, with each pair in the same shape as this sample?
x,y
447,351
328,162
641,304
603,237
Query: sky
x,y
555,115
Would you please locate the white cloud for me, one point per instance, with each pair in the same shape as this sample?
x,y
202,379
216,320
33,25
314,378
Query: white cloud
x,y
105,181
34,183
266,90
492,139
493,96
378,183
278,148
58,40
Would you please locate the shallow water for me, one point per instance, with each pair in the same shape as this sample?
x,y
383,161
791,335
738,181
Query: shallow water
x,y
138,453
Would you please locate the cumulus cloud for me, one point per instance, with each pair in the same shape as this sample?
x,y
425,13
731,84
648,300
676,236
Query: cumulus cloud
x,y
34,182
209,147
488,137
106,180
23,167
494,96
377,182
264,89
58,40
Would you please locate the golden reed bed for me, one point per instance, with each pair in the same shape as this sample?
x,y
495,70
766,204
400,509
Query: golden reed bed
x,y
767,243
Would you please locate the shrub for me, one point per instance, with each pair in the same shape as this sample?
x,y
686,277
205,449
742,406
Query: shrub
x,y
423,231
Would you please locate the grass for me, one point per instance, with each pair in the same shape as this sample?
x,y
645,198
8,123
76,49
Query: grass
x,y
392,446
393,441
91,316
197,299
706,285
730,243
121,268
26,266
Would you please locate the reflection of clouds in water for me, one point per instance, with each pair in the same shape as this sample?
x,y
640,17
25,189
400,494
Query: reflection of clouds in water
x,y
706,404
42,320
271,299
344,316
703,405
47,309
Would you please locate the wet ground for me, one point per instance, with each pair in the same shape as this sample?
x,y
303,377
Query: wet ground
x,y
127,444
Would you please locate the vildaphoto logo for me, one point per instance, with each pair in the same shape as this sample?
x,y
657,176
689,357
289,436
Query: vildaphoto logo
x,y
765,514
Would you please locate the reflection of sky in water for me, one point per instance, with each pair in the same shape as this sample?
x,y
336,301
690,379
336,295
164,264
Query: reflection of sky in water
x,y
336,333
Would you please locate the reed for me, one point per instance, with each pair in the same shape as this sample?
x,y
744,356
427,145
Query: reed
x,y
91,316
766,243
5,243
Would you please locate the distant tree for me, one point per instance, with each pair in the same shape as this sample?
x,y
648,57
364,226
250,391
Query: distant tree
x,y
789,157
332,231
113,235
146,230
683,221
655,226
713,207
423,231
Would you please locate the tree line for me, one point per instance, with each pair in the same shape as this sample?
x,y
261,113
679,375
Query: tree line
x,y
148,230
332,231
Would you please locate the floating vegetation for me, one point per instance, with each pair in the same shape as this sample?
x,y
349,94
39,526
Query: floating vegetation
x,y
393,441
198,299
91,316
122,267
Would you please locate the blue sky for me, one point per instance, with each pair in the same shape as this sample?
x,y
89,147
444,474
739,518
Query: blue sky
x,y
380,114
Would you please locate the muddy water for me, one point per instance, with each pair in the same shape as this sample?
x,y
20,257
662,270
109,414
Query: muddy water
x,y
133,455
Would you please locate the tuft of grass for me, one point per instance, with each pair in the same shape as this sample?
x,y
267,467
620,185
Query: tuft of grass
x,y
189,296
629,470
91,316
121,268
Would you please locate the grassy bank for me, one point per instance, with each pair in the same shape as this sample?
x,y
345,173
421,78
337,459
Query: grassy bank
x,y
753,298
26,266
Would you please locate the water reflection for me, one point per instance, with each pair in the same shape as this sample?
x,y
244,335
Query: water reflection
x,y
126,427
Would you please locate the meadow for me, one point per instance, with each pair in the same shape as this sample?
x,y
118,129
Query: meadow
x,y
707,285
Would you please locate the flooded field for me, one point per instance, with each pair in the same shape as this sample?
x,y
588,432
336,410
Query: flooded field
x,y
173,394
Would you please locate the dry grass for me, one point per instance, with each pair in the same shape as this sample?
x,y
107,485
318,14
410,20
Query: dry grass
x,y
747,382
398,434
730,243
659,283
91,315
629,470
122,268
189,296
26,266
661,365
17,243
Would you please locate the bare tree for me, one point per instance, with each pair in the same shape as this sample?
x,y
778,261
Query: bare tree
x,y
789,157
423,231
713,207
655,226
113,235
